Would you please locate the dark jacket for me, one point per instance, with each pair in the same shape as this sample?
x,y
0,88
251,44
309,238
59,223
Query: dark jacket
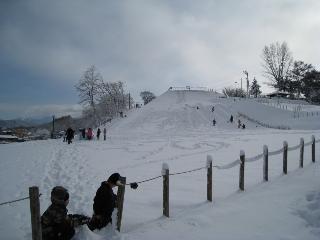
x,y
56,225
70,133
104,201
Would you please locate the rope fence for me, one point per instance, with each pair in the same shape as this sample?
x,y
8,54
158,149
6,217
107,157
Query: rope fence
x,y
165,174
16,200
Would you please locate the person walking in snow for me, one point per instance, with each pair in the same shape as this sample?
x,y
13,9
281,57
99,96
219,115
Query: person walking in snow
x,y
212,110
89,133
56,224
104,134
83,133
69,135
231,119
239,123
98,133
243,126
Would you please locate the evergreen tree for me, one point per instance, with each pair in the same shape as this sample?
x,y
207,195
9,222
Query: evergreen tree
x,y
299,71
147,97
255,88
311,86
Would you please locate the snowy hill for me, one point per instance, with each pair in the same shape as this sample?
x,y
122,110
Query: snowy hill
x,y
172,130
178,111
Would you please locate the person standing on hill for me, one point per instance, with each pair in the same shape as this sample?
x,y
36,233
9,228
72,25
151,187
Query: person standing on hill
x,y
104,134
98,133
231,119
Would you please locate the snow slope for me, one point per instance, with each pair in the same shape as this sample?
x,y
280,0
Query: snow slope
x,y
171,129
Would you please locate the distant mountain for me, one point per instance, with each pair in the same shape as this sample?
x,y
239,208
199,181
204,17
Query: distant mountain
x,y
23,122
63,123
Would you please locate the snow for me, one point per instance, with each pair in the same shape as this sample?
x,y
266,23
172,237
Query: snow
x,y
8,137
172,130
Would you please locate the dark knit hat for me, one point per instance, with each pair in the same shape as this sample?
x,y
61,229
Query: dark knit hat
x,y
114,178
59,194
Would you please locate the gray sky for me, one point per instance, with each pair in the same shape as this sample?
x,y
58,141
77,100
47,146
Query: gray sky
x,y
45,46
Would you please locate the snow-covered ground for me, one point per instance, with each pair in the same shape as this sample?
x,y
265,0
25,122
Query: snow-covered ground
x,y
173,130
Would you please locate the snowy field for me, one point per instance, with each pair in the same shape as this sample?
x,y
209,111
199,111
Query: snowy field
x,y
172,130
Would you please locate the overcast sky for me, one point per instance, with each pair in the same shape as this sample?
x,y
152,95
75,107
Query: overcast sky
x,y
45,46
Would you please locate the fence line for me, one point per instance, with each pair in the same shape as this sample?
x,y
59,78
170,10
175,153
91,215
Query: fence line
x,y
262,123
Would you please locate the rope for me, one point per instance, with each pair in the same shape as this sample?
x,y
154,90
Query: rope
x,y
193,170
255,158
147,180
309,143
293,148
227,166
276,152
17,200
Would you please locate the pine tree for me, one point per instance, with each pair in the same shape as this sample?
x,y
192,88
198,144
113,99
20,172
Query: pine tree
x,y
255,88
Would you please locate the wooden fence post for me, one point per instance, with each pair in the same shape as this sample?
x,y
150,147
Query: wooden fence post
x,y
120,200
285,157
265,162
313,149
35,213
165,175
301,152
241,174
209,178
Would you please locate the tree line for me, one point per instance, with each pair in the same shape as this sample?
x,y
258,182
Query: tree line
x,y
286,74
104,100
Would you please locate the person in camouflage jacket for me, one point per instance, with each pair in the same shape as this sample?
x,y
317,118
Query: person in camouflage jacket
x,y
55,221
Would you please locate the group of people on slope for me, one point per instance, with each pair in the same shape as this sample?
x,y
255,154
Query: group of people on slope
x,y
240,125
89,134
57,224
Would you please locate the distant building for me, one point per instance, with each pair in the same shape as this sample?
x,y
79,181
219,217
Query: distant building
x,y
9,139
278,94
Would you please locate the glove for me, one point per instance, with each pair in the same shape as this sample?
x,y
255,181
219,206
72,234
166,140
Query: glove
x,y
79,219
134,185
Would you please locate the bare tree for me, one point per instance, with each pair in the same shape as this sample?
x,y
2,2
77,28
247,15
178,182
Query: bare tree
x,y
89,88
113,98
277,63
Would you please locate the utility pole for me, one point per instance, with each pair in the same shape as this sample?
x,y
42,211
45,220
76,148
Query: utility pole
x,y
52,133
129,102
247,74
